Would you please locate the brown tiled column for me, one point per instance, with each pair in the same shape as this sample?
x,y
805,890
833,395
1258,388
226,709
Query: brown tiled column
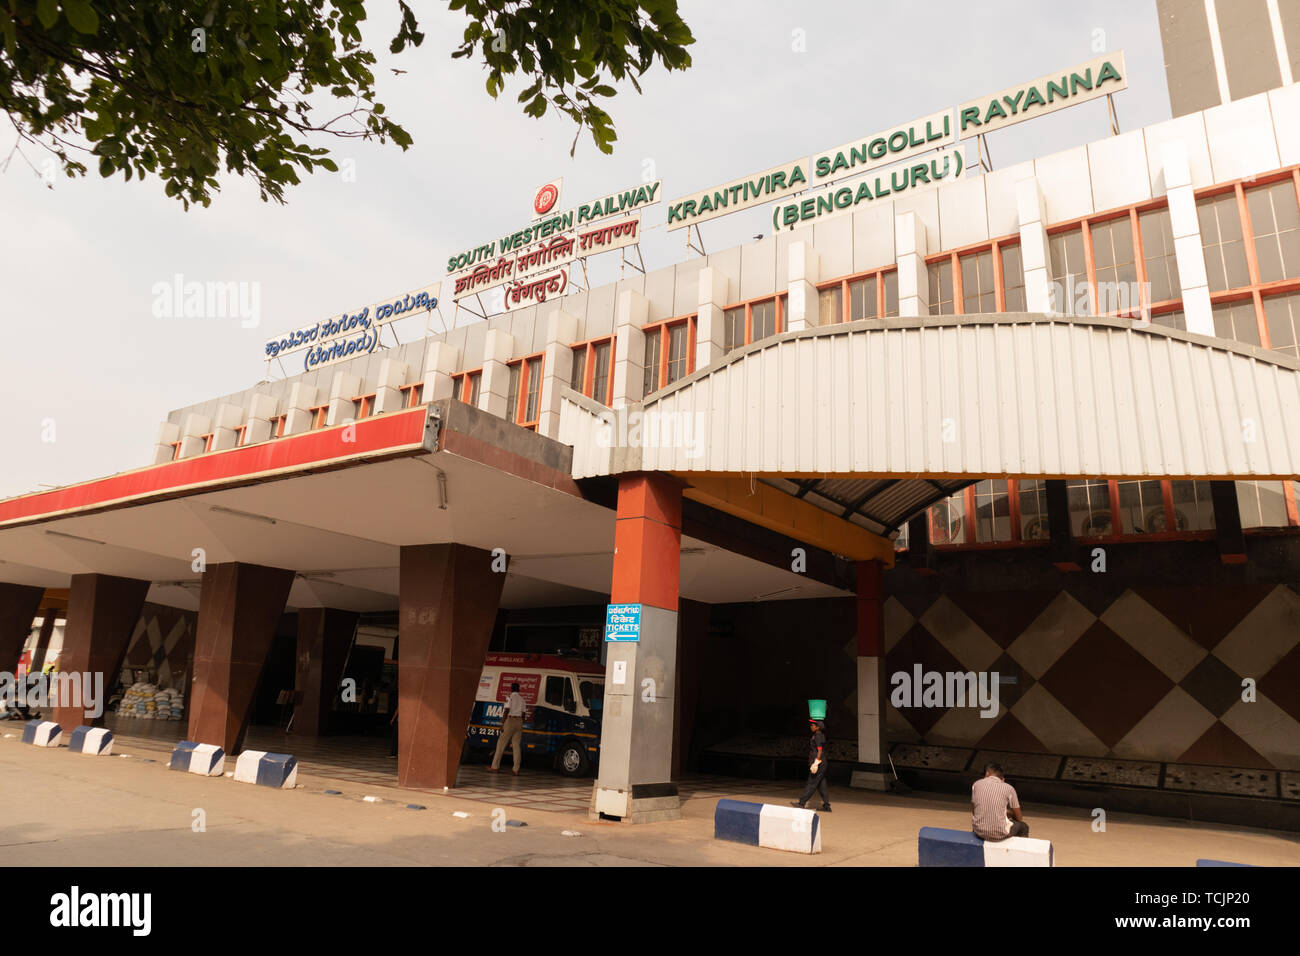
x,y
18,607
48,616
447,606
324,637
239,608
102,614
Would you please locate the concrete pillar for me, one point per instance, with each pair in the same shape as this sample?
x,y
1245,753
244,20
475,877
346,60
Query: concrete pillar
x,y
557,370
298,414
18,606
168,434
388,387
870,772
1035,256
710,333
239,608
447,605
229,418
102,614
192,432
913,279
48,616
343,389
1186,227
636,738
441,362
805,273
630,313
1227,522
261,409
498,350
1061,548
324,639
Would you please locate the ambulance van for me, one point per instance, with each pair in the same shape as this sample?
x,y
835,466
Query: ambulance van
x,y
563,698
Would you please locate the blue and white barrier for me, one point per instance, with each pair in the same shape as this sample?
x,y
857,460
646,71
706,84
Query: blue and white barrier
x,y
267,770
42,733
767,825
96,741
1220,863
939,847
207,760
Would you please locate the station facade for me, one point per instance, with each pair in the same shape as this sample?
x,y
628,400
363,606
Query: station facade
x,y
1039,424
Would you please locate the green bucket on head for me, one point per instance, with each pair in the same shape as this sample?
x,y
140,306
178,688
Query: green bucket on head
x,y
816,710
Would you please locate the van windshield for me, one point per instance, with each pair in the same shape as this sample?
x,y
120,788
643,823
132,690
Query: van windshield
x,y
592,694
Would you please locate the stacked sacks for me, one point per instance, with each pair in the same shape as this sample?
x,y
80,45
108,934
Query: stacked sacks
x,y
147,702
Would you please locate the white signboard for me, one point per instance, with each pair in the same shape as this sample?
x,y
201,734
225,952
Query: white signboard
x,y
1098,77
886,147
737,195
352,327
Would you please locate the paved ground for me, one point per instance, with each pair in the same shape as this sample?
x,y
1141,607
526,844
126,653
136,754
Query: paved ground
x,y
57,807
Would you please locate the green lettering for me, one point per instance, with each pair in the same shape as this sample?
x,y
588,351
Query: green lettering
x,y
789,215
777,182
675,212
1053,90
706,205
823,167
796,176
864,192
1014,104
969,115
920,174
847,195
877,148
1077,81
994,110
1108,72
806,209
689,207
840,162
858,154
1032,97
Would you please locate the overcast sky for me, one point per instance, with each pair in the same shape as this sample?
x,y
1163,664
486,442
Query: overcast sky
x,y
85,361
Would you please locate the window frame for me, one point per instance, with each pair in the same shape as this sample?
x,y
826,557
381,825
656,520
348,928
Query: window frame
x,y
588,360
779,298
663,327
954,256
521,400
844,281
412,395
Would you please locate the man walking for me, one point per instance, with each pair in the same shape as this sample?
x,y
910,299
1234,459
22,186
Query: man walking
x,y
995,808
512,730
816,767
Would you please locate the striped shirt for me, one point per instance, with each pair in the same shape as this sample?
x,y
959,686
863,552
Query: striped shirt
x,y
990,799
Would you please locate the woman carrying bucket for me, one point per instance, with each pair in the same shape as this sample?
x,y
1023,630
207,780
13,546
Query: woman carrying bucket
x,y
816,756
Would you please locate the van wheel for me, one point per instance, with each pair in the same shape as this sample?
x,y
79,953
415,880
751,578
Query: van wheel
x,y
573,759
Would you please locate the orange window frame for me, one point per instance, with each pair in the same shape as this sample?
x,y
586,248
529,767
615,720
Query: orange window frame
x,y
843,283
995,246
365,405
663,330
240,433
525,378
412,394
779,298
319,415
1257,289
588,360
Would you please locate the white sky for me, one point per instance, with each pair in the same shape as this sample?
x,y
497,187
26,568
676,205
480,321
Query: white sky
x,y
80,346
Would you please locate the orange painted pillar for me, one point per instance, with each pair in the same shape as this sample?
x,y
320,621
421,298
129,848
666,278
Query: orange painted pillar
x,y
871,771
639,717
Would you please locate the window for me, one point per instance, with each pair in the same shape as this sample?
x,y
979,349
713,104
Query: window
x,y
1114,266
670,351
1282,317
1013,278
1262,504
977,288
1237,321
992,510
207,441
176,450
363,406
979,281
1158,256
1225,252
1032,499
1069,269
1275,225
277,426
941,288
593,365
512,391
523,394
1192,507
1141,507
868,297
240,433
413,395
473,382
1174,319
1090,509
743,324
555,690
319,415
948,521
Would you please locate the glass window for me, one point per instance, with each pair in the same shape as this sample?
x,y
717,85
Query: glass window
x,y
948,520
1158,254
1013,279
1141,507
599,372
891,293
992,509
733,321
862,299
1282,313
1033,510
762,320
534,389
512,392
652,346
579,368
1090,508
830,305
1069,271
1225,253
475,381
941,287
555,690
678,342
1236,320
592,693
1262,504
1193,510
1174,320
1116,265
977,292
1275,221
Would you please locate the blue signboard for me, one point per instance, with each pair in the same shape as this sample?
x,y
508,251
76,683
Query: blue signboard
x,y
623,622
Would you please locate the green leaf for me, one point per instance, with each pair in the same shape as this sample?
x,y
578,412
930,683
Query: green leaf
x,y
81,15
47,11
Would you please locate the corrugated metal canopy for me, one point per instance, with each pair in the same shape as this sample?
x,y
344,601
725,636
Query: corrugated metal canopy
x,y
881,505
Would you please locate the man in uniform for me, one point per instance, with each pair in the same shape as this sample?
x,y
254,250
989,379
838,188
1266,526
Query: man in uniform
x,y
512,730
816,767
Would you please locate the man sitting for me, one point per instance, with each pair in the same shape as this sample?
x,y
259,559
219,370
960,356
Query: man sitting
x,y
995,809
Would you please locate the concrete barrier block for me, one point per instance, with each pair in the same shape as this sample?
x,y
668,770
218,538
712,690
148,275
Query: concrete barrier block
x,y
764,824
207,760
96,741
1220,863
42,733
940,847
267,769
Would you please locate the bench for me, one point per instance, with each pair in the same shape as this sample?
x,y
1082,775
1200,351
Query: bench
x,y
939,847
767,825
